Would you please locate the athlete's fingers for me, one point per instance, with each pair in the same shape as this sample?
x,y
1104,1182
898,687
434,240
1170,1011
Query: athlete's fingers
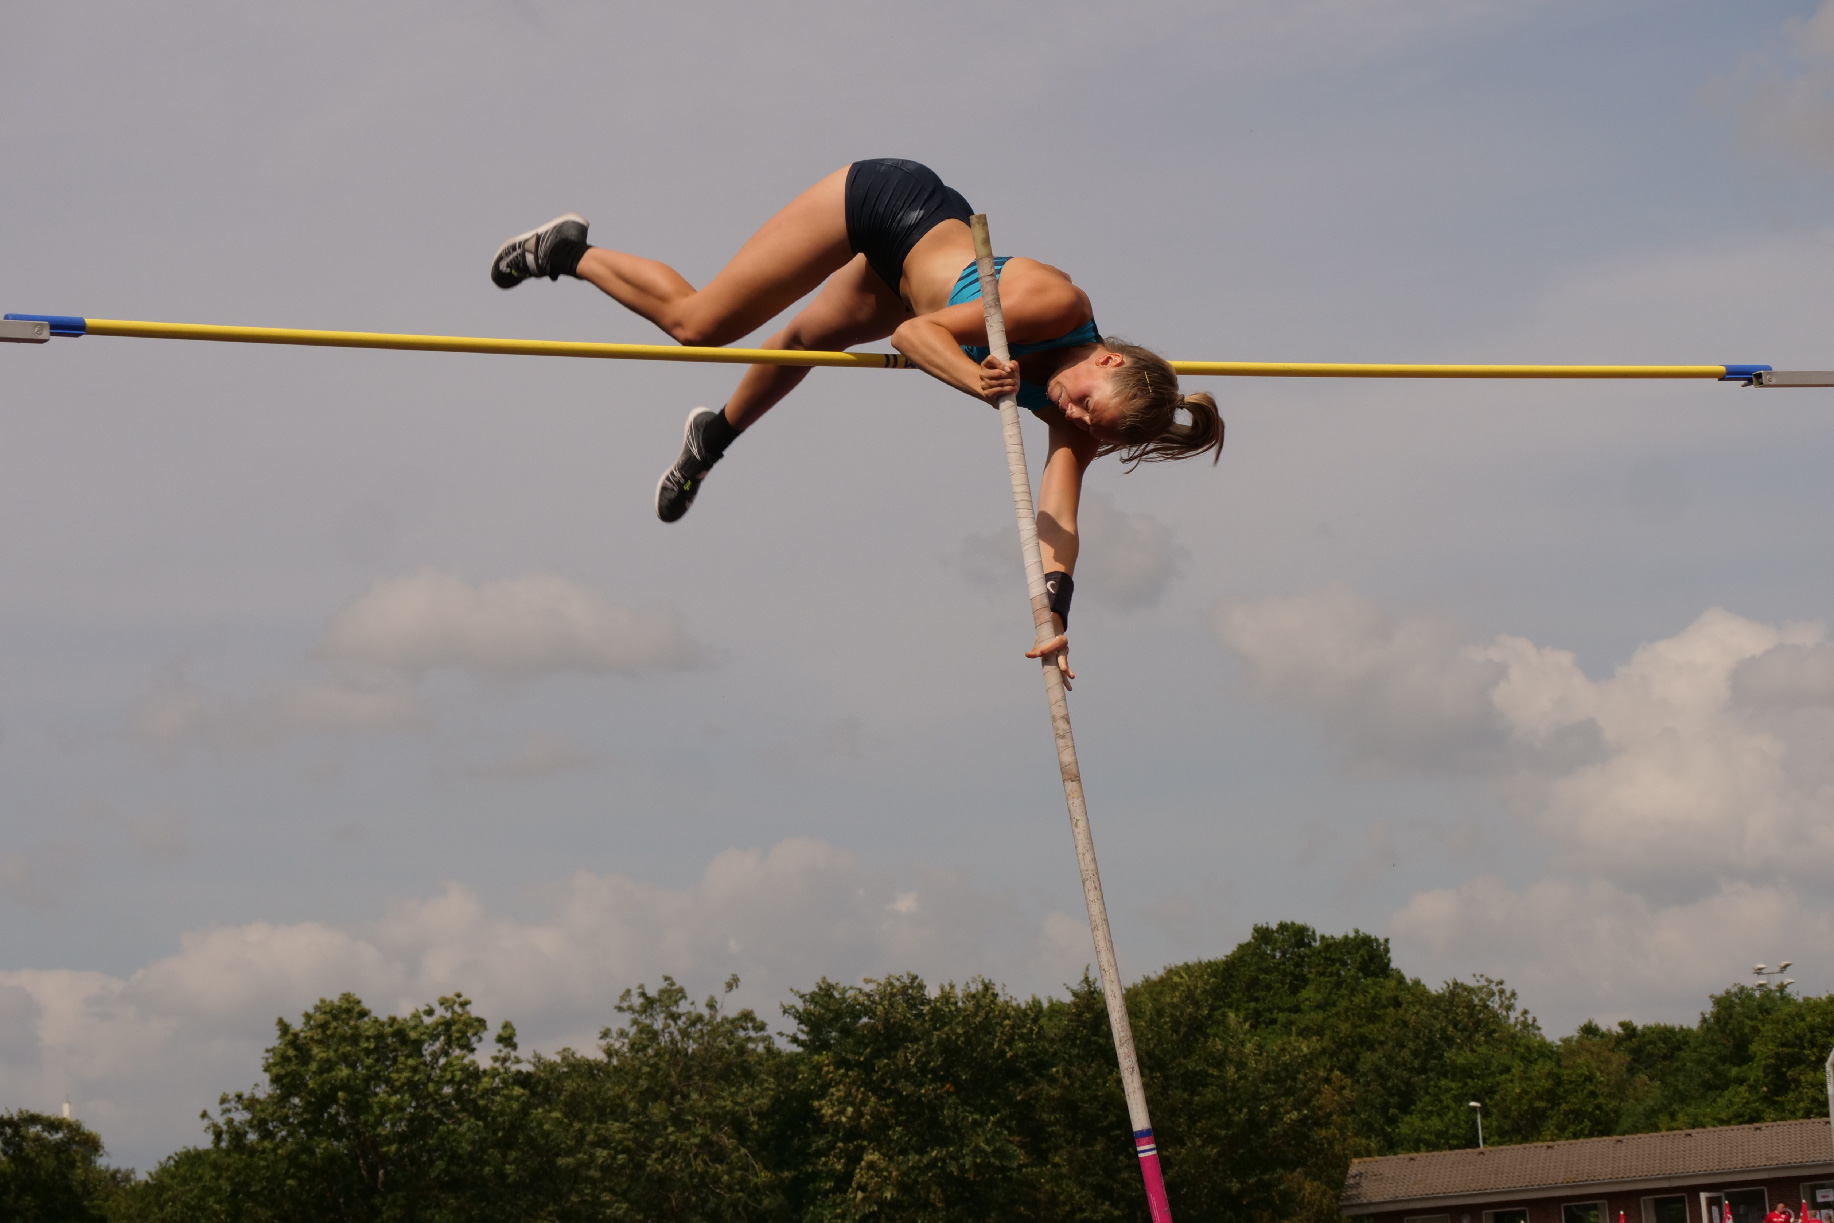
x,y
1001,373
1059,642
998,378
1059,646
1048,646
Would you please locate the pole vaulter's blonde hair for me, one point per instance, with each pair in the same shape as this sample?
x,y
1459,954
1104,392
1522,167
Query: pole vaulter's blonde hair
x,y
1150,429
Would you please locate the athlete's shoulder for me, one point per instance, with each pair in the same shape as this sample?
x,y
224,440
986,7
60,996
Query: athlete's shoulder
x,y
1037,269
1043,295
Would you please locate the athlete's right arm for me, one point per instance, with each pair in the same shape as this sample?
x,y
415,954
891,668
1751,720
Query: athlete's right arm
x,y
1039,302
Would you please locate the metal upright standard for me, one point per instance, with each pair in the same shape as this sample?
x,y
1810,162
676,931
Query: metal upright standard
x,y
1066,745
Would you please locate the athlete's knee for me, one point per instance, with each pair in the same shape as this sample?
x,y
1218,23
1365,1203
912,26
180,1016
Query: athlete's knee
x,y
822,335
703,333
794,337
690,332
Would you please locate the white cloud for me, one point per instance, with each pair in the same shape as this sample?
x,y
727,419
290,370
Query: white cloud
x,y
1620,951
1271,38
1126,560
540,756
539,624
178,711
164,836
377,650
1688,796
1704,755
1693,784
140,1054
37,876
1784,99
1397,692
22,878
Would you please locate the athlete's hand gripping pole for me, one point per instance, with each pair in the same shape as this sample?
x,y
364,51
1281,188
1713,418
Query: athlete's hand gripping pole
x,y
1066,745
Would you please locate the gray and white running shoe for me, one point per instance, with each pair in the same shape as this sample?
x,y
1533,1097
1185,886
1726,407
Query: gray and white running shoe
x,y
679,485
527,255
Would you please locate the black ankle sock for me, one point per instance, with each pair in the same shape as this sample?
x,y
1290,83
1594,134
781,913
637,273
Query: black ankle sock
x,y
564,259
717,434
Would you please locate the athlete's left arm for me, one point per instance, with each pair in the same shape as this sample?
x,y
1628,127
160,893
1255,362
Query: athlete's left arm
x,y
1059,494
1038,302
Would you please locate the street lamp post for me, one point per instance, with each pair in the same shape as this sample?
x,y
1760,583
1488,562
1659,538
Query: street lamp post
x,y
1830,1069
1478,1105
1764,975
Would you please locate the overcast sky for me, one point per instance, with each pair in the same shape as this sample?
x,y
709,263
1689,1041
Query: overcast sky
x,y
326,671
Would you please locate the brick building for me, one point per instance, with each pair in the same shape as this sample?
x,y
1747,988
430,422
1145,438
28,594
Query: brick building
x,y
1682,1176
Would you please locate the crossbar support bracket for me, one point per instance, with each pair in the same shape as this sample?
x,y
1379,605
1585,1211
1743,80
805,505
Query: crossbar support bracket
x,y
1794,377
24,331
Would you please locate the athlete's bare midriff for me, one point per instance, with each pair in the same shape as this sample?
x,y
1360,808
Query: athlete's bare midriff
x,y
933,264
936,262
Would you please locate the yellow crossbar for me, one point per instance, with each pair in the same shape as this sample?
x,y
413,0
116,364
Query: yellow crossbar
x,y
1307,369
460,343
847,360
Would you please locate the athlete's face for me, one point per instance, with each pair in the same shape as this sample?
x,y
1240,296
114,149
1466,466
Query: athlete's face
x,y
1084,393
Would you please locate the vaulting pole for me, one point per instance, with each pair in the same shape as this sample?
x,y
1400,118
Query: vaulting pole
x,y
1066,746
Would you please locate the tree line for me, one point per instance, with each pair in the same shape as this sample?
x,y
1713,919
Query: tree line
x,y
1268,1069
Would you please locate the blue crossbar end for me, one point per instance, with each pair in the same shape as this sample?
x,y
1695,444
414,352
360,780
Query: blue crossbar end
x,y
70,324
1743,373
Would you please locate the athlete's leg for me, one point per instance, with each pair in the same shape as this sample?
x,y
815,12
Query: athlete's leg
x,y
854,307
792,253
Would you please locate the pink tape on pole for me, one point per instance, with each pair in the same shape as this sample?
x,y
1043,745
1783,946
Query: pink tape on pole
x,y
1149,1172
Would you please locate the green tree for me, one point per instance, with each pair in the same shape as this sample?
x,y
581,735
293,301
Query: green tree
x,y
1086,1169
51,1172
907,1105
1785,1074
670,1122
1252,1125
1650,1051
194,1185
1344,993
1268,1069
1752,1056
369,1119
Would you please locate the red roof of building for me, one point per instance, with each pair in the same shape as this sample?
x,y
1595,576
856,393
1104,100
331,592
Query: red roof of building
x,y
1585,1161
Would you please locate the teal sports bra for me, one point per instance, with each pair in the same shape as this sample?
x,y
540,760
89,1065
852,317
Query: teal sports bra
x,y
1031,395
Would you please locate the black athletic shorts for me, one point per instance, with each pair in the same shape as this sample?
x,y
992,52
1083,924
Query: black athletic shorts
x,y
890,205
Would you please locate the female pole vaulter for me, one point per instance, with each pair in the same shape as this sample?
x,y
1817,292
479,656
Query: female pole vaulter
x,y
893,245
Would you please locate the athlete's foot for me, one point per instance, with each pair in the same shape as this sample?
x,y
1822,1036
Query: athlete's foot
x,y
532,254
679,485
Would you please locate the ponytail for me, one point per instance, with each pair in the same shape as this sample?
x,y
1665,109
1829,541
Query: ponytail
x,y
1150,429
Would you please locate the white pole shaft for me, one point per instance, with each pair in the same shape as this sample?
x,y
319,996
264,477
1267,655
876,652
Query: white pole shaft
x,y
1066,743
